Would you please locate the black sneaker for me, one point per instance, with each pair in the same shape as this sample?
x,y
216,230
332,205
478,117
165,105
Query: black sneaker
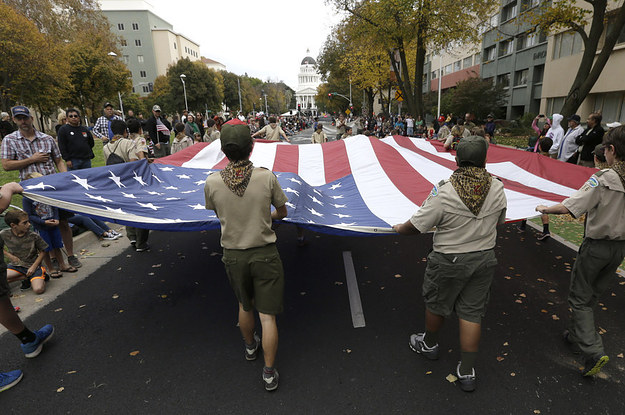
x,y
543,236
566,336
73,261
251,353
594,364
417,344
467,382
25,285
270,380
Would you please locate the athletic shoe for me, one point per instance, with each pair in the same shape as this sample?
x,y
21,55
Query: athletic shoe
x,y
594,364
73,261
417,344
133,242
566,336
251,353
145,248
10,379
467,382
114,232
520,228
111,237
271,380
543,236
33,349
25,285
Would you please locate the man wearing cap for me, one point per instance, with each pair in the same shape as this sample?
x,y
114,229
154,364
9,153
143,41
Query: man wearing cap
x,y
568,147
465,210
75,142
602,199
589,139
102,127
241,196
489,126
159,130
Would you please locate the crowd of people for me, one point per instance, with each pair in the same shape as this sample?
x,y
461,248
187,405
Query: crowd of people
x,y
459,269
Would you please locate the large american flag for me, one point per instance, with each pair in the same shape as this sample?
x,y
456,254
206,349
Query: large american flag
x,y
358,185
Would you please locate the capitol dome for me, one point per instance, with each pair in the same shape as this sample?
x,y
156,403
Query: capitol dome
x,y
308,61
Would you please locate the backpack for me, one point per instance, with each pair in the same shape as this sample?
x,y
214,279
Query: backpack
x,y
114,158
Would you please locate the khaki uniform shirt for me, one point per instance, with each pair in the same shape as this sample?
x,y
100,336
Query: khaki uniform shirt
x,y
457,229
318,138
123,147
246,220
26,247
141,144
603,198
272,134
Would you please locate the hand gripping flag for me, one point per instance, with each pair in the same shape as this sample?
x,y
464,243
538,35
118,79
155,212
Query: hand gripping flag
x,y
359,185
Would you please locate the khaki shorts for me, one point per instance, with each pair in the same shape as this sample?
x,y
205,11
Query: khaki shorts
x,y
460,283
257,278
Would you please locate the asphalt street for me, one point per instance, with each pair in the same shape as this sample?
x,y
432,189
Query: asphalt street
x,y
155,333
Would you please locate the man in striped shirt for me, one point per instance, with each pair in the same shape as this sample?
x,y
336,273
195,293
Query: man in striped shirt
x,y
102,129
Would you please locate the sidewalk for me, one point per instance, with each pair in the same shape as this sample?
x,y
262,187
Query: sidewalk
x,y
90,251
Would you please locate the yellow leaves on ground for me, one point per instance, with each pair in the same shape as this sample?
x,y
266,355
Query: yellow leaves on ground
x,y
136,352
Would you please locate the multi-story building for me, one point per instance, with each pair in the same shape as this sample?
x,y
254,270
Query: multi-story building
x,y
564,55
214,65
513,55
308,81
454,66
148,42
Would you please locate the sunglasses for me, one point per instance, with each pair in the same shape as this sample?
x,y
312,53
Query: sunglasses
x,y
73,116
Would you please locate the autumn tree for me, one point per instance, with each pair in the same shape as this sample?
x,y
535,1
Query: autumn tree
x,y
406,29
205,87
476,93
599,24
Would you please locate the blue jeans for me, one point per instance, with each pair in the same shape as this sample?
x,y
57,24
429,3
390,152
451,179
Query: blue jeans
x,y
78,164
410,131
94,225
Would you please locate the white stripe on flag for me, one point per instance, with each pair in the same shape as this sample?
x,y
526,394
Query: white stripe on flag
x,y
377,190
264,156
208,158
310,164
509,170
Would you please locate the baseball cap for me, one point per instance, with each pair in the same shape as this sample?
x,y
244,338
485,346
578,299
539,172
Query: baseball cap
x,y
599,151
471,151
613,124
108,104
235,132
156,108
575,118
441,118
20,110
491,115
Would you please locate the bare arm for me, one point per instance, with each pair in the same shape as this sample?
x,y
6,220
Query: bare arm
x,y
60,165
279,213
406,228
6,193
558,209
9,165
33,267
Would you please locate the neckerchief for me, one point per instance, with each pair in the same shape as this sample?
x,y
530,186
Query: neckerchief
x,y
472,185
237,176
619,168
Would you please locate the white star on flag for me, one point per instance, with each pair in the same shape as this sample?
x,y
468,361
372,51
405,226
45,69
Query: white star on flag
x,y
337,197
83,182
114,210
129,195
189,191
183,176
139,179
335,186
341,216
157,179
149,205
116,179
171,188
39,186
197,207
166,169
314,212
154,193
100,198
173,198
338,206
293,179
289,190
314,199
200,182
291,205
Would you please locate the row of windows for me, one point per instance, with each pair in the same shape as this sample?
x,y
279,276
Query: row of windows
x,y
308,79
190,51
458,65
135,26
124,42
521,77
506,46
511,10
611,105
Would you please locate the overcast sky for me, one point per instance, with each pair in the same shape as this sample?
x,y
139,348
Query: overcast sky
x,y
266,39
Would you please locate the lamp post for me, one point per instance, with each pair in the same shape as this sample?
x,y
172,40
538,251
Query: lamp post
x,y
266,108
440,67
184,89
119,94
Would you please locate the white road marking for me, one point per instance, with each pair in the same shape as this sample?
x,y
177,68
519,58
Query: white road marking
x,y
358,316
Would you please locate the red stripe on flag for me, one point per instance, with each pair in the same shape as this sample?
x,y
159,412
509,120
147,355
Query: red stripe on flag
x,y
287,158
508,184
335,160
183,156
405,178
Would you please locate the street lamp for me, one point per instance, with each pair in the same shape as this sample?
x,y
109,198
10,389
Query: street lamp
x,y
266,108
119,94
184,88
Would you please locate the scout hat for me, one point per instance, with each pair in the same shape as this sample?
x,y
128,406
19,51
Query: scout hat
x,y
471,151
235,132
599,152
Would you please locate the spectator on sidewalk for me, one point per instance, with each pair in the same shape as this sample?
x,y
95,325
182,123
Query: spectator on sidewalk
x,y
589,139
31,342
75,142
181,141
159,131
568,147
102,128
95,225
556,133
461,266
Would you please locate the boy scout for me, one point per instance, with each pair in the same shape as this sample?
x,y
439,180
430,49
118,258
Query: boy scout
x,y
602,198
465,210
241,196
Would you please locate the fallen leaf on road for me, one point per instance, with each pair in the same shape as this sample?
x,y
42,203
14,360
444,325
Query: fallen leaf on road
x,y
553,316
543,311
214,253
397,275
115,296
302,293
552,290
382,288
150,273
507,277
451,378
71,372
513,374
163,295
536,411
338,283
121,311
518,301
506,344
522,295
499,358
429,372
136,352
128,256
620,355
559,257
119,269
541,280
156,266
38,300
61,389
602,330
510,267
613,295
604,308
58,309
82,305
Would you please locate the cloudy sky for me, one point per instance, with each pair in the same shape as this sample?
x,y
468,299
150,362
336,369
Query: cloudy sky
x,y
266,39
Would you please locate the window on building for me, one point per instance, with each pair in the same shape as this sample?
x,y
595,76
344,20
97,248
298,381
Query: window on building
x,y
137,42
505,47
140,58
447,69
467,62
528,4
477,58
527,40
135,26
489,53
120,26
143,74
520,77
175,47
490,79
146,88
457,66
509,11
539,73
434,74
504,80
566,44
123,42
126,59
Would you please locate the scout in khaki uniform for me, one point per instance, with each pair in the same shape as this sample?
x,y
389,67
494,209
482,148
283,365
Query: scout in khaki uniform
x,y
465,210
241,196
602,198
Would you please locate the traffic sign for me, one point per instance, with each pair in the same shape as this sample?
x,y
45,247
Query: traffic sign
x,y
348,112
398,95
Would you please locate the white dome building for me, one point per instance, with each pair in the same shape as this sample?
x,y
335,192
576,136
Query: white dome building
x,y
308,82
